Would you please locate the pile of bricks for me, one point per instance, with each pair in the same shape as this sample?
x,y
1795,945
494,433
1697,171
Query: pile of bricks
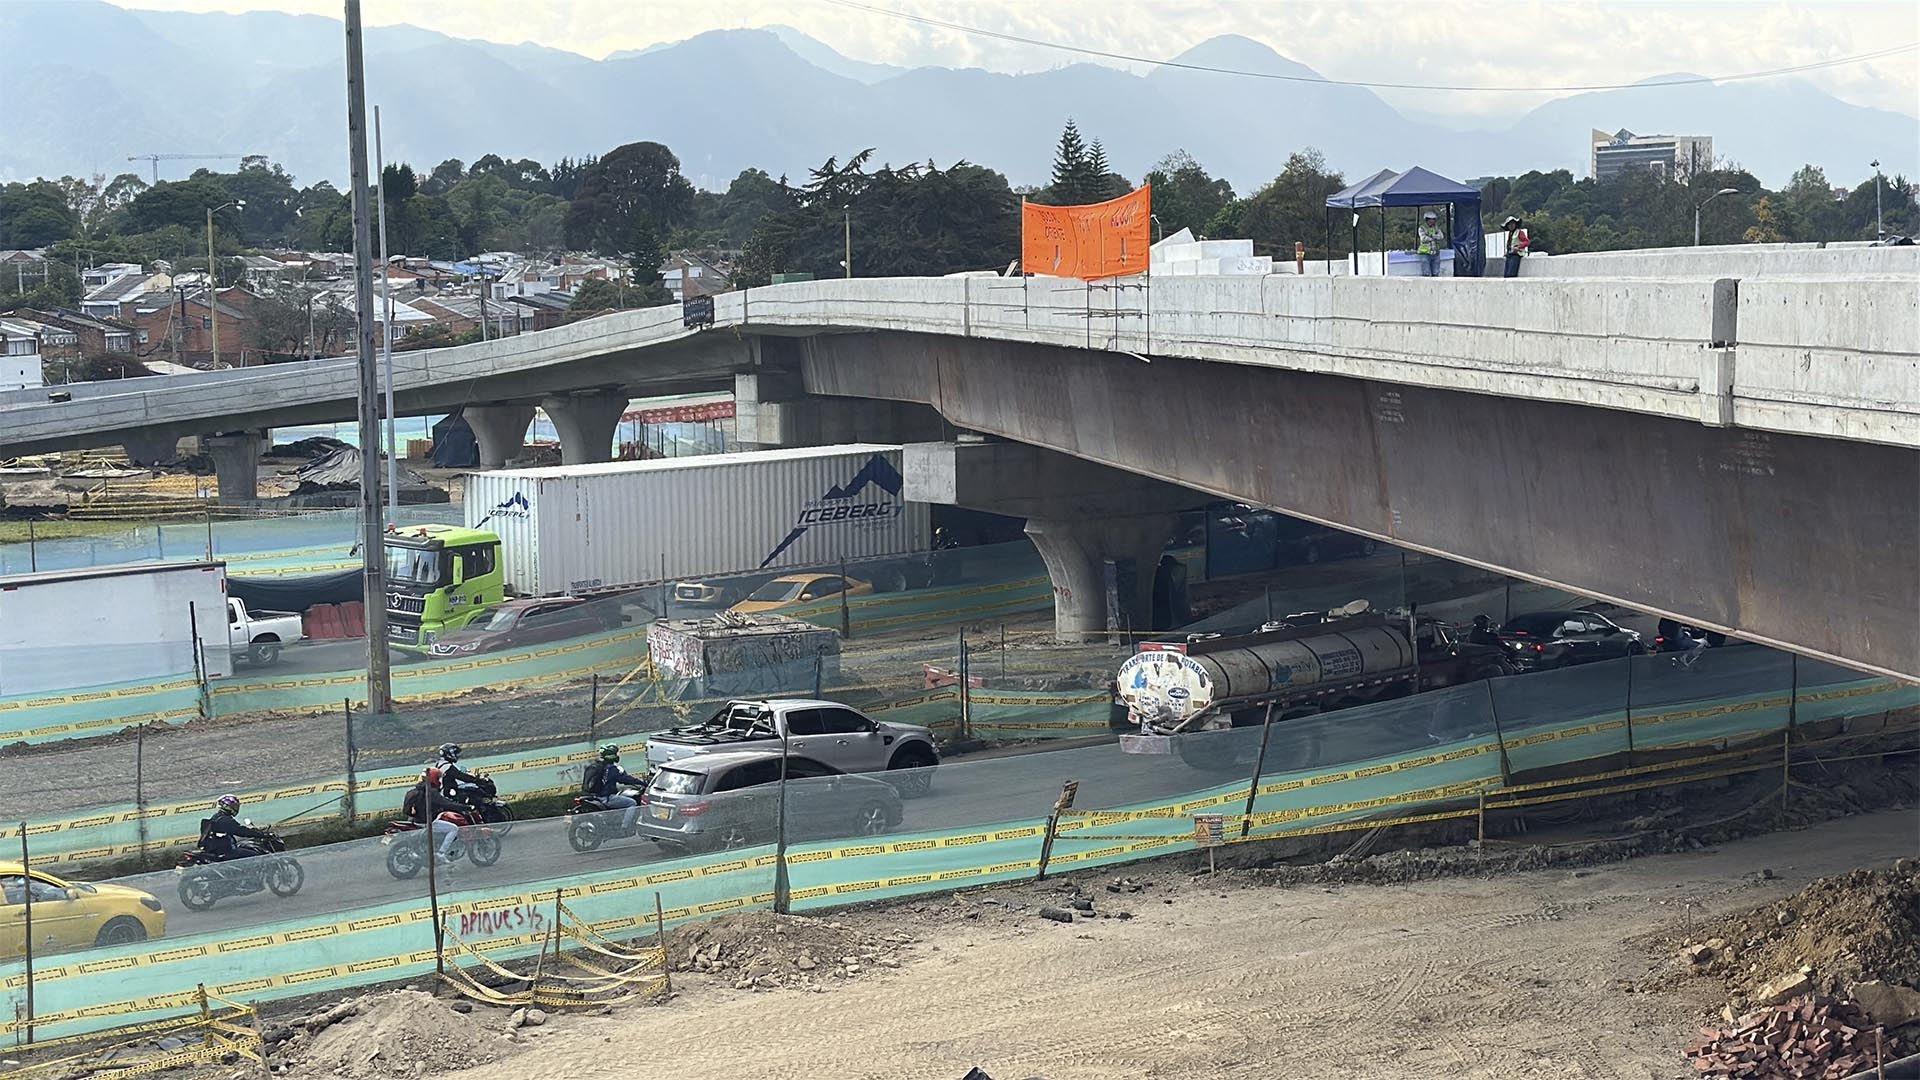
x,y
1807,1038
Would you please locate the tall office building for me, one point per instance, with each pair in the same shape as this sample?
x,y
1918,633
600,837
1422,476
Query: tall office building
x,y
1678,156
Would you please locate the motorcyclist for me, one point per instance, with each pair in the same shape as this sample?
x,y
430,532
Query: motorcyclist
x,y
603,779
1483,632
424,803
457,784
217,833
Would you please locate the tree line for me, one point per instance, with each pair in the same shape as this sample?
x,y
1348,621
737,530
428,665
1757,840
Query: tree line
x,y
919,218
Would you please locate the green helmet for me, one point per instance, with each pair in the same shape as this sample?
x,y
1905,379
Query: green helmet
x,y
609,752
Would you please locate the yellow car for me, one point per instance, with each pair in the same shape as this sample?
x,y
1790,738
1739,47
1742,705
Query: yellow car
x,y
795,589
72,915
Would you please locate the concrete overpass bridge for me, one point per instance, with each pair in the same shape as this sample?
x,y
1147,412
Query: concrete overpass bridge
x,y
1739,452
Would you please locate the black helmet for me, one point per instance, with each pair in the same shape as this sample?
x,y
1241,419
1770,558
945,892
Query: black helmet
x,y
1481,622
449,752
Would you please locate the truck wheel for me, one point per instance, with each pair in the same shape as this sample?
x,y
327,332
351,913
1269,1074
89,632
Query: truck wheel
x,y
265,652
911,772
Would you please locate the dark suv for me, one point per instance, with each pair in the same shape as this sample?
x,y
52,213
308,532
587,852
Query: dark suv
x,y
1554,639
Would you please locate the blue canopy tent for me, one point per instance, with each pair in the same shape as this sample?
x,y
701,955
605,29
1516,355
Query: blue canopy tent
x,y
1418,187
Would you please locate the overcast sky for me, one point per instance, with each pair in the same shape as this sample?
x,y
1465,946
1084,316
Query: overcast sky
x,y
1541,43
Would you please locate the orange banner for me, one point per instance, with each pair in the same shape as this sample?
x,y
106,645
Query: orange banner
x,y
1104,240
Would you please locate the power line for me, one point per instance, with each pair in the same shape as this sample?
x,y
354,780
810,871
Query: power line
x,y
1017,39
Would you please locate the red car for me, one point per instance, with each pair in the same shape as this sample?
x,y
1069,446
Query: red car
x,y
518,624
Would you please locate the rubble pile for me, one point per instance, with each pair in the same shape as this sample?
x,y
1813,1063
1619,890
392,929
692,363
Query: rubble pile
x,y
766,951
1807,1038
395,1033
1827,938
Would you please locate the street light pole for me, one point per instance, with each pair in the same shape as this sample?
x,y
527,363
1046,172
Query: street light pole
x,y
386,328
1703,206
373,593
848,221
1879,228
213,281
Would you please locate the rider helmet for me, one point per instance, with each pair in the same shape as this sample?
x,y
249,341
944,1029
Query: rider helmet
x,y
609,753
1482,622
229,803
449,752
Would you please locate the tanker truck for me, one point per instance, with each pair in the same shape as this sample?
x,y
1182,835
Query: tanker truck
x,y
1176,693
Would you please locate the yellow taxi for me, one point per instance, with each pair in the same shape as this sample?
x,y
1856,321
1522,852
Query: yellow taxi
x,y
72,914
795,589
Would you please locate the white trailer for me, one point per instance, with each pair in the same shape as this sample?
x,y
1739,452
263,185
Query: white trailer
x,y
63,629
588,528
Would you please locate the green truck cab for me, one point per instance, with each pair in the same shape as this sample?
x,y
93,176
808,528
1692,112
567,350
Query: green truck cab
x,y
439,579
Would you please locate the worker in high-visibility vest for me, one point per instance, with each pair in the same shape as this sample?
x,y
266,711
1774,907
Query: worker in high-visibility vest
x,y
1518,244
1432,241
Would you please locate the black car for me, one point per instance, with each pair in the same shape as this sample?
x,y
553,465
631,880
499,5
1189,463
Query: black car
x,y
1554,639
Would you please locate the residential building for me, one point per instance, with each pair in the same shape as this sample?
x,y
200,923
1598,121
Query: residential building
x,y
19,355
161,315
84,335
56,342
1677,156
107,300
542,312
687,274
108,272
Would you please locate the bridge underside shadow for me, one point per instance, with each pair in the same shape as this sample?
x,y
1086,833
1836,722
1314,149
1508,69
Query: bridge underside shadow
x,y
1804,543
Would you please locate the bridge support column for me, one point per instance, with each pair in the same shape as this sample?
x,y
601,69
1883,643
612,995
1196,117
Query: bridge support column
x,y
150,448
585,423
236,464
1077,551
501,431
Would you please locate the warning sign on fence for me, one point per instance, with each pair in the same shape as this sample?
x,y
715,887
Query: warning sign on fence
x,y
1209,831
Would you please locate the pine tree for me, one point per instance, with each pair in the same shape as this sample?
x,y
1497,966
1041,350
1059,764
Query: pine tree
x,y
645,261
1099,183
1070,168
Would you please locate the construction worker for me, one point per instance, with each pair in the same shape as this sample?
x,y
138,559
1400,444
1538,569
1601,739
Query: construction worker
x,y
1517,245
1432,242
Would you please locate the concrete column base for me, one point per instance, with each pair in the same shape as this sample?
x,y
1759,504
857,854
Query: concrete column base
x,y
585,424
236,463
501,431
1077,552
150,448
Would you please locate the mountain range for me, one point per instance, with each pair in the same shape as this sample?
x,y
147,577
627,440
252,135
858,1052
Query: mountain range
x,y
89,85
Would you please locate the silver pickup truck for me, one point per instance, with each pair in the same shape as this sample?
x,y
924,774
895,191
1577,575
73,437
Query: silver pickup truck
x,y
822,730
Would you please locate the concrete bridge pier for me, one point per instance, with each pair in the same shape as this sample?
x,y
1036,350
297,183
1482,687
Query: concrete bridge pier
x,y
236,464
1081,516
1077,552
150,448
501,431
585,423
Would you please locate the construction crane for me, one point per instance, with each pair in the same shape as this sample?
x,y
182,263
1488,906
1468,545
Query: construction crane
x,y
156,159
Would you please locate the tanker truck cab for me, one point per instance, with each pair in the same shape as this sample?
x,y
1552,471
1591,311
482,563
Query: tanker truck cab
x,y
439,579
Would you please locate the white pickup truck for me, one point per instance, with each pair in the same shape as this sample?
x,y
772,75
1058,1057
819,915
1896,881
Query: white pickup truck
x,y
822,730
258,636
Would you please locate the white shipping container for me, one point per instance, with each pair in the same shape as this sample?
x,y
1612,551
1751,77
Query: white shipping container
x,y
64,629
580,528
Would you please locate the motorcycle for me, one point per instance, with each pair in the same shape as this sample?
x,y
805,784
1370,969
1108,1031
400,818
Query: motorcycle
x,y
409,843
256,864
591,822
493,810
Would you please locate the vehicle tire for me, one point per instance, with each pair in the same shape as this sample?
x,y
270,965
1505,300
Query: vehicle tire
x,y
196,889
731,838
484,850
870,820
583,836
1715,639
286,876
1312,554
911,772
125,930
405,858
500,816
889,579
265,652
1368,547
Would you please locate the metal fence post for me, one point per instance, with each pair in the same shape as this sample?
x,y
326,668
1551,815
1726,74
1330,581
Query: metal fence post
x,y
33,548
26,895
347,807
1259,764
1060,806
966,699
140,785
593,712
1493,710
1630,660
781,890
199,663
846,612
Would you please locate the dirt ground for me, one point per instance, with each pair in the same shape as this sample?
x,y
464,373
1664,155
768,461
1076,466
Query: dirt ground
x,y
1559,973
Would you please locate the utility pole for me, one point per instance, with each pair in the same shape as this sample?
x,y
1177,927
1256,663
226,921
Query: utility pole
x,y
848,223
1879,227
386,328
372,554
